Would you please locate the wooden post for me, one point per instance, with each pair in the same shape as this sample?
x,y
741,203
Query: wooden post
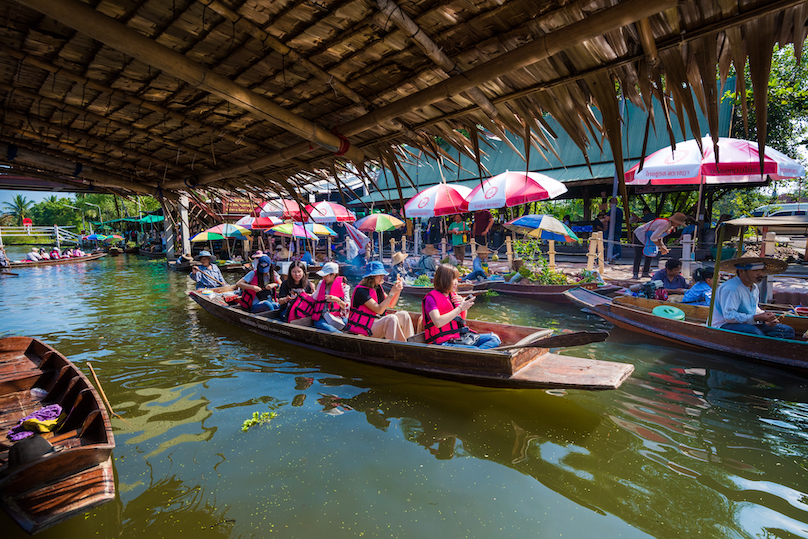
x,y
551,252
186,238
404,244
687,255
443,248
328,248
768,244
473,249
600,252
509,250
58,240
392,248
590,256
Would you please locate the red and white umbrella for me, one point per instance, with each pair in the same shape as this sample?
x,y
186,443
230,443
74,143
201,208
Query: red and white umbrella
x,y
440,199
739,162
329,212
512,189
258,222
282,208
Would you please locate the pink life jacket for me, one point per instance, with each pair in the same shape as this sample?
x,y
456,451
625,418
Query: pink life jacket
x,y
439,335
321,304
361,319
248,296
302,306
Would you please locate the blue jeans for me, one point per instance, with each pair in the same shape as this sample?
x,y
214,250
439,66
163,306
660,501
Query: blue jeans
x,y
265,305
474,275
780,331
322,324
486,340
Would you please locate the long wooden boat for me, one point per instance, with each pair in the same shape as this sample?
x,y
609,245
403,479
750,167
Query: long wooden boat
x,y
694,333
699,313
151,254
525,364
131,250
77,475
422,291
185,265
114,251
58,261
553,293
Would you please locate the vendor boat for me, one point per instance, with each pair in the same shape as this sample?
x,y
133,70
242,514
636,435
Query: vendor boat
x,y
151,254
43,488
523,360
553,293
58,261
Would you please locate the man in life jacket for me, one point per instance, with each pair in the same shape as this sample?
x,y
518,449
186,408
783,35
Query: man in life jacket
x,y
259,287
649,241
369,304
331,296
444,314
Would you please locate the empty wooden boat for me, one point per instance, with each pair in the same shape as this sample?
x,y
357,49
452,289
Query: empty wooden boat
x,y
523,360
552,293
151,254
76,475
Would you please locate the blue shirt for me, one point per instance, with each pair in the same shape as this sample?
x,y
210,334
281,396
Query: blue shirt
x,y
306,258
736,303
479,265
677,282
699,294
209,277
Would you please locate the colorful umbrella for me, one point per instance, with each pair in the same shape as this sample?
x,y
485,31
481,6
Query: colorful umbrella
x,y
440,199
329,212
739,162
512,189
319,230
544,227
113,237
251,223
360,239
283,208
95,237
379,222
293,230
207,236
230,231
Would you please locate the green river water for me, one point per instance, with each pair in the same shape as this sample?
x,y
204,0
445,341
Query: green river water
x,y
692,445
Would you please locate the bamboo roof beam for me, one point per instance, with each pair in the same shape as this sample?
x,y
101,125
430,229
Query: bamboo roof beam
x,y
126,96
108,31
392,11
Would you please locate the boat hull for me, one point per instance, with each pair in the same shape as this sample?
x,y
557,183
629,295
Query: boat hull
x,y
150,254
78,477
523,367
58,261
552,293
791,353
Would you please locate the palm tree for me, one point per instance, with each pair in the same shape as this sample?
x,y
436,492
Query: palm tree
x,y
19,207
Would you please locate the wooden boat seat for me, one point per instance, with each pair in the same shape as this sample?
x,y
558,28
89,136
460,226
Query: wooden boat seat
x,y
418,337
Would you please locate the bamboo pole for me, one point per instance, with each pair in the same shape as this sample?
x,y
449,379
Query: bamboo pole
x,y
600,253
509,251
87,20
590,255
551,252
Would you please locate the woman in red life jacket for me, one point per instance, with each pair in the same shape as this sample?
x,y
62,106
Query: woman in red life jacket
x,y
295,296
259,287
369,303
331,295
444,314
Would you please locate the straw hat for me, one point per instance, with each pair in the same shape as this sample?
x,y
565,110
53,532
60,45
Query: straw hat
x,y
772,266
258,254
483,250
429,249
399,257
678,219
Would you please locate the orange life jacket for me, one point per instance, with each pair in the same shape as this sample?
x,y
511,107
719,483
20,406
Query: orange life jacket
x,y
452,330
248,296
321,304
361,319
302,306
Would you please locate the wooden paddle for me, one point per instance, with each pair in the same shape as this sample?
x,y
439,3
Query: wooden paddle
x,y
563,340
103,395
9,273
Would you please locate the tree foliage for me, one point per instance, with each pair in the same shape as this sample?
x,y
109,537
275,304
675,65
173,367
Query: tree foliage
x,y
19,208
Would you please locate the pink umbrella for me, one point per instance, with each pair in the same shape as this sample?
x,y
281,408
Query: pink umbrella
x,y
739,162
329,212
258,222
512,189
283,208
440,199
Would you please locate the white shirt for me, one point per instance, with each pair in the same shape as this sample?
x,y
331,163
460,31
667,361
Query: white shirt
x,y
736,303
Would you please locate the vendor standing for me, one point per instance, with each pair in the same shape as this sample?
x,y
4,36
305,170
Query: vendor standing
x,y
458,231
650,241
482,226
206,275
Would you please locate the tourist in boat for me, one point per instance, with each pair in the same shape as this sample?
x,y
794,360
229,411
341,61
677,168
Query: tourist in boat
x,y
671,277
736,301
332,295
398,269
444,314
701,292
4,262
479,267
458,230
427,265
54,254
43,254
259,287
306,258
33,256
295,296
206,275
369,303
649,238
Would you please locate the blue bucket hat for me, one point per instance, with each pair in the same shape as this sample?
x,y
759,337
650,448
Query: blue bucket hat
x,y
205,253
374,268
264,264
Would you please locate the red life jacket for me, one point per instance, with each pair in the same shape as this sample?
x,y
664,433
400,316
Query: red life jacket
x,y
321,304
248,296
361,319
439,335
302,306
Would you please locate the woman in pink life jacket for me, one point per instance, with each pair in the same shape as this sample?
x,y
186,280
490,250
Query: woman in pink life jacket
x,y
295,296
333,295
369,303
444,314
259,287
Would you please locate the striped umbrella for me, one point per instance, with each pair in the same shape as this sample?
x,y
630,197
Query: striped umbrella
x,y
251,223
512,189
440,199
329,212
293,230
545,227
283,208
379,222
230,231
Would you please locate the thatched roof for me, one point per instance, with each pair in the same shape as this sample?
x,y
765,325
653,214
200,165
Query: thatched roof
x,y
159,97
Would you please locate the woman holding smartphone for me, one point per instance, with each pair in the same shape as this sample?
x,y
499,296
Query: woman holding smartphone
x,y
444,314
